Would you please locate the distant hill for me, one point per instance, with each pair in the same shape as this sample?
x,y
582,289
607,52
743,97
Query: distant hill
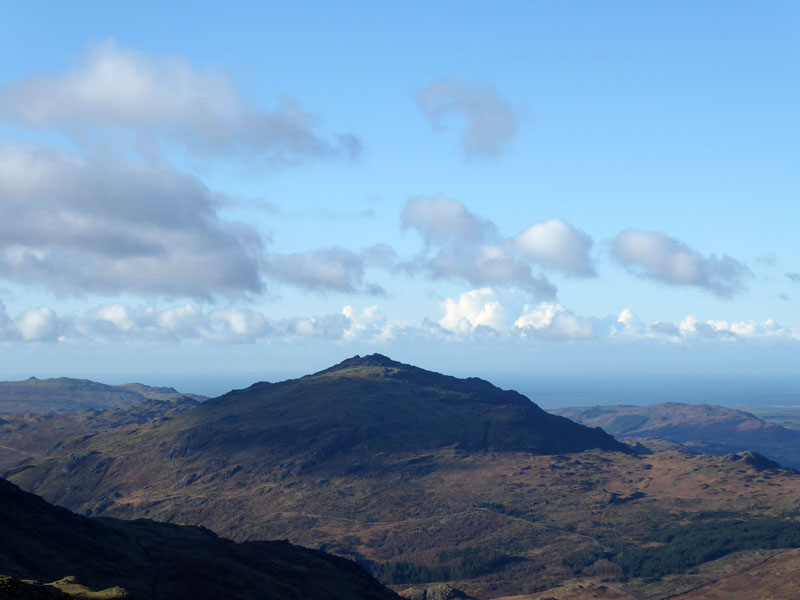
x,y
146,560
701,428
33,435
66,395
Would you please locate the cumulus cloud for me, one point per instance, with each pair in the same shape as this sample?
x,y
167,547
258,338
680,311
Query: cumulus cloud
x,y
488,311
122,92
32,325
472,315
553,322
691,326
77,224
656,256
462,245
232,325
629,326
38,324
473,310
557,244
490,122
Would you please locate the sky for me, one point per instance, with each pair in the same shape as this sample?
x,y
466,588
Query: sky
x,y
210,195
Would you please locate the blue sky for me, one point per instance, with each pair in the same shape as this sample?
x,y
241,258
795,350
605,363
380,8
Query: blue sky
x,y
232,193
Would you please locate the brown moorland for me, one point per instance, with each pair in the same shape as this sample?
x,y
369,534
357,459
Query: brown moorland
x,y
423,478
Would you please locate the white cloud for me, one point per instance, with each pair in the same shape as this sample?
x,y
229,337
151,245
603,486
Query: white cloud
x,y
473,314
491,122
691,327
474,309
656,256
369,324
553,322
125,93
462,245
37,324
557,244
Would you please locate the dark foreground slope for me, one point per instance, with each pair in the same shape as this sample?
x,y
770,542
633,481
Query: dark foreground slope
x,y
701,428
159,561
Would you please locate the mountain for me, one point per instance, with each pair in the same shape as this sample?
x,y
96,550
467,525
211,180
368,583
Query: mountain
x,y
700,428
148,560
64,395
425,478
32,435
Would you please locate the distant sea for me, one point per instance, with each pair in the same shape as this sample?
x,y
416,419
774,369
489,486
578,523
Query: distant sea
x,y
559,391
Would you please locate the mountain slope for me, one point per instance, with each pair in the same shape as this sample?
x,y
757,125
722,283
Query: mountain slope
x,y
352,416
372,459
702,428
158,561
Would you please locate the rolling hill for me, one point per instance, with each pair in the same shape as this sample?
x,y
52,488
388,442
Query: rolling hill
x,y
700,428
33,435
65,395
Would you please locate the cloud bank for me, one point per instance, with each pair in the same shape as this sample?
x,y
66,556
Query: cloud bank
x,y
470,317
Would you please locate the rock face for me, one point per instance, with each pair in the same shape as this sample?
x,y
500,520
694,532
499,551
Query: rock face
x,y
158,561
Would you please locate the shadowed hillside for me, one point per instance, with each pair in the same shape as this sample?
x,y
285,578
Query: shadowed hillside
x,y
153,561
